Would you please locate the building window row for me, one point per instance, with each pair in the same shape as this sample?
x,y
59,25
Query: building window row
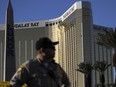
x,y
54,23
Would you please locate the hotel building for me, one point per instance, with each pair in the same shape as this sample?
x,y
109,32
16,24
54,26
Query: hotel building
x,y
76,34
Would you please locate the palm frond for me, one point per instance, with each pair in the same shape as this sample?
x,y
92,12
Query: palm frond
x,y
107,39
101,66
80,70
85,67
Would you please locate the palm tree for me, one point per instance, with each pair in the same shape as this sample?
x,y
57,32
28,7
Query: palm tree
x,y
101,66
108,39
86,68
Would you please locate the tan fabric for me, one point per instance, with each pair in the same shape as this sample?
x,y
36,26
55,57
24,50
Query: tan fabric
x,y
35,74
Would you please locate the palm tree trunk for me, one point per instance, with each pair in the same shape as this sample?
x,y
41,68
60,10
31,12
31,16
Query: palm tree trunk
x,y
114,63
114,58
88,80
102,80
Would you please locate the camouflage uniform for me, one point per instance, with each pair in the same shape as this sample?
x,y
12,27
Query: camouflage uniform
x,y
36,74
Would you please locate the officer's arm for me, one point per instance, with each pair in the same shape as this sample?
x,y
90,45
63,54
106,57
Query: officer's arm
x,y
65,79
20,77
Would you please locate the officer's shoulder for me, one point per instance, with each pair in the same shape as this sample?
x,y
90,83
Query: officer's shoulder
x,y
30,62
58,65
26,65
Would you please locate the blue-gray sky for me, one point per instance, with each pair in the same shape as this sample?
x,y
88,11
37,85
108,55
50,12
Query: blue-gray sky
x,y
104,11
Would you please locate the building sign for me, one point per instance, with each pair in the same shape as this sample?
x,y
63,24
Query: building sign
x,y
9,57
26,25
69,11
10,48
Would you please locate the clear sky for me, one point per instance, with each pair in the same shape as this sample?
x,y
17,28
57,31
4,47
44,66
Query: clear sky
x,y
104,11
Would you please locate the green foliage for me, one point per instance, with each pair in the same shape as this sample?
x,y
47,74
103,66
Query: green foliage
x,y
85,67
107,39
101,66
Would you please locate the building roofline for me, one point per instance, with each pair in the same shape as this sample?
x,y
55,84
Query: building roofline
x,y
66,14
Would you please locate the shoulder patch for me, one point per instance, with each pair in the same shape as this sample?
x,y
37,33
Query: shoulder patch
x,y
21,69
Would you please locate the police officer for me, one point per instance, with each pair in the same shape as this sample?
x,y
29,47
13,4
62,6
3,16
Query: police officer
x,y
42,71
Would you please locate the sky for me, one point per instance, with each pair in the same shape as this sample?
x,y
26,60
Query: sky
x,y
104,11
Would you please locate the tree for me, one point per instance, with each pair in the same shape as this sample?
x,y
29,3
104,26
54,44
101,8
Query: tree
x,y
86,69
108,39
101,66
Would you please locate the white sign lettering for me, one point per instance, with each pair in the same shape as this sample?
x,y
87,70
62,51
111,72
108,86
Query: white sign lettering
x,y
23,25
68,12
